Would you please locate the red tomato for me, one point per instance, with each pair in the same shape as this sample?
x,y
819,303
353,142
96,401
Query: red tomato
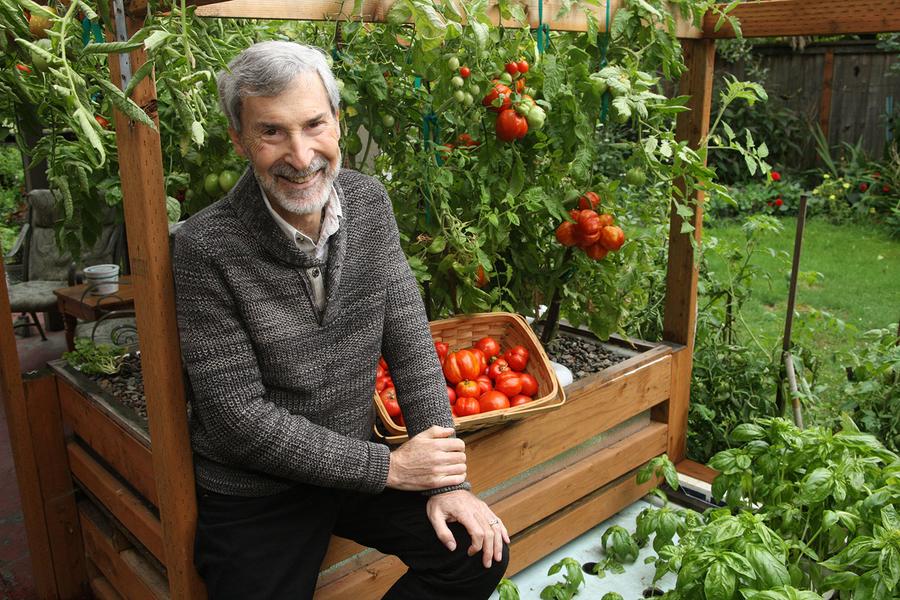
x,y
464,72
101,121
23,68
484,384
588,228
522,66
493,400
529,384
481,279
512,68
467,388
519,400
379,371
510,125
612,237
596,251
381,382
460,365
389,400
606,219
567,233
489,346
498,366
501,91
590,200
451,395
520,85
517,357
482,359
442,350
508,383
400,421
383,364
466,406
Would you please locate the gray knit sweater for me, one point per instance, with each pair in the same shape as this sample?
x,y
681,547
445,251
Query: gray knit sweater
x,y
278,392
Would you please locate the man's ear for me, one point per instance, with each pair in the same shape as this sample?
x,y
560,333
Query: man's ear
x,y
236,142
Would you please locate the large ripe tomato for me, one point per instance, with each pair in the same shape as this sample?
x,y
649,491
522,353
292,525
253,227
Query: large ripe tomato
x,y
389,400
596,252
381,382
510,125
500,92
529,384
589,200
519,400
612,237
493,400
451,395
588,228
508,383
489,346
442,350
460,365
383,364
466,406
468,388
498,366
567,233
484,384
606,219
517,357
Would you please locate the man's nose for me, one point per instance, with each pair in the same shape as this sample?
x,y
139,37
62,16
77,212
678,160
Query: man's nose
x,y
300,151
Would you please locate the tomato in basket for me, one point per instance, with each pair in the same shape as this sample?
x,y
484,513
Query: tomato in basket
x,y
466,406
508,383
493,400
498,366
468,388
484,384
529,384
389,400
461,365
451,394
443,349
517,357
489,346
519,400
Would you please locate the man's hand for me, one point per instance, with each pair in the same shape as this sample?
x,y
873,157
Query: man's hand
x,y
431,459
486,530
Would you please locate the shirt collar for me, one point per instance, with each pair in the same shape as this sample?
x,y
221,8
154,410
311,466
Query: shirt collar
x,y
329,224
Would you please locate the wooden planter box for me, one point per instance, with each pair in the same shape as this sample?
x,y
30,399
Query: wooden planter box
x,y
550,477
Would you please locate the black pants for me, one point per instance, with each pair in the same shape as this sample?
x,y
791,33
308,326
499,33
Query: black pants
x,y
272,547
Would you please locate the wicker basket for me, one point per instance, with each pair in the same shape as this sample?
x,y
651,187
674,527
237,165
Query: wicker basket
x,y
509,330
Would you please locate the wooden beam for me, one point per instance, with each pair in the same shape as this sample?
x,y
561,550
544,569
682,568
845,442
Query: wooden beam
x,y
775,18
825,100
680,317
23,452
144,200
376,11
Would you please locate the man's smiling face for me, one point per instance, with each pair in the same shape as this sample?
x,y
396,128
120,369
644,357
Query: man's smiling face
x,y
291,141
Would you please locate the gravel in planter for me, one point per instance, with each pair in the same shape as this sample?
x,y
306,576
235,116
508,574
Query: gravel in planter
x,y
126,386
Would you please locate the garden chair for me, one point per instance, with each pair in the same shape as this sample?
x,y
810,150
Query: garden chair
x,y
46,268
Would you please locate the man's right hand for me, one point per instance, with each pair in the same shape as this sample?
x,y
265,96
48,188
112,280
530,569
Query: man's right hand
x,y
431,459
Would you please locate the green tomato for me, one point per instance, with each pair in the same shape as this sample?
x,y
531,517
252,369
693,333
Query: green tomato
x,y
353,145
387,120
340,85
453,63
635,176
457,82
535,117
227,179
459,96
468,99
40,63
211,184
506,78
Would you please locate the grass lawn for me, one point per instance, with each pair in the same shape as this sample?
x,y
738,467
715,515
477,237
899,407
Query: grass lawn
x,y
859,283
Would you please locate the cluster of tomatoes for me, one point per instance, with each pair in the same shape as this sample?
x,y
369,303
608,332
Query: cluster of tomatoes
x,y
591,231
480,379
516,111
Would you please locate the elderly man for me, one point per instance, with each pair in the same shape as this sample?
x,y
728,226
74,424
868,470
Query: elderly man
x,y
288,290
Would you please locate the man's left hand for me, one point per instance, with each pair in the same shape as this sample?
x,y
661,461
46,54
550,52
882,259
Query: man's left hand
x,y
486,529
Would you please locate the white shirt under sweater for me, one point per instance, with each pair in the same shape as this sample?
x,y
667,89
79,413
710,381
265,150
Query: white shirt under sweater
x,y
319,251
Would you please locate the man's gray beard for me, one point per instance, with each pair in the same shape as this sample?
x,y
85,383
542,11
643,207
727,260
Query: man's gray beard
x,y
302,205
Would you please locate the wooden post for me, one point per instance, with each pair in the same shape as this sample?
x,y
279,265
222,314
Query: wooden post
x,y
144,200
825,100
23,451
680,316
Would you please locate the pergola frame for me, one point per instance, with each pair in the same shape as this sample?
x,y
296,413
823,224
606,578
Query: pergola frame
x,y
141,171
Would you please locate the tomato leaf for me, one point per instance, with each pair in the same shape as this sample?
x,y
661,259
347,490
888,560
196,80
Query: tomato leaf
x,y
517,176
126,104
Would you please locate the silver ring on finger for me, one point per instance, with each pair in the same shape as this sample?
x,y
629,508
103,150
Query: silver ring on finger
x,y
494,521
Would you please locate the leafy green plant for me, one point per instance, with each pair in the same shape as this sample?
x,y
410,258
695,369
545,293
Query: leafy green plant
x,y
573,579
95,359
507,590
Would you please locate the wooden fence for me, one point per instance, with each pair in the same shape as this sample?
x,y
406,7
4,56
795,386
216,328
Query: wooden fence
x,y
848,88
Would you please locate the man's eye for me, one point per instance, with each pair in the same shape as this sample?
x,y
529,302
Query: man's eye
x,y
270,131
316,124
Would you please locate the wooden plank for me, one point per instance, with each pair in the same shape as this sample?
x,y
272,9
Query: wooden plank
x,y
774,18
589,410
23,452
143,199
376,11
118,499
103,590
128,573
552,493
696,470
825,99
57,489
130,458
680,318
526,548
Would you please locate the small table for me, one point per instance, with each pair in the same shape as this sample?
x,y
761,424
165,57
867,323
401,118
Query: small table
x,y
77,302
